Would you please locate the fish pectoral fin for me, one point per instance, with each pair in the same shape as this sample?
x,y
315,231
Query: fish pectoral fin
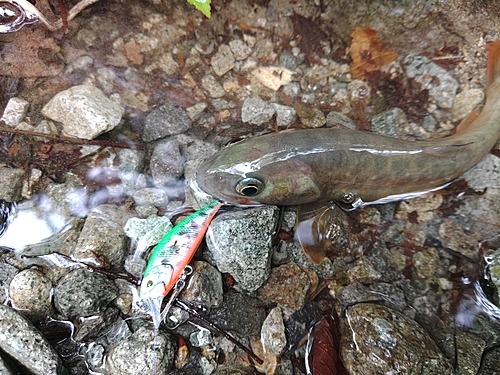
x,y
316,229
446,150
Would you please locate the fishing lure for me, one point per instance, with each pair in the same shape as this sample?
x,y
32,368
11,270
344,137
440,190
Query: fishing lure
x,y
7,213
168,265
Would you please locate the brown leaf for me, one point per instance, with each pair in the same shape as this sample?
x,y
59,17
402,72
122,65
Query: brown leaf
x,y
368,52
325,348
14,149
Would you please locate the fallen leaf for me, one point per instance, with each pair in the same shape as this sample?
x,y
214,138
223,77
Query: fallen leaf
x,y
368,53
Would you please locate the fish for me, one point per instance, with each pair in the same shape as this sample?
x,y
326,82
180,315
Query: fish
x,y
350,167
170,257
355,167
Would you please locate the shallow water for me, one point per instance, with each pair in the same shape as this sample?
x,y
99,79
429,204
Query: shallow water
x,y
423,257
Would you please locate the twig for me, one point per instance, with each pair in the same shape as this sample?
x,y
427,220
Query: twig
x,y
62,139
195,314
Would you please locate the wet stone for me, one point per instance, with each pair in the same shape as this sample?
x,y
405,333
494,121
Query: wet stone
x,y
239,313
377,339
273,77
102,237
31,292
288,60
15,111
84,111
357,292
212,85
335,118
426,262
489,364
240,49
493,272
453,237
156,197
239,243
363,272
256,111
142,353
166,163
166,120
83,293
223,60
11,182
272,335
441,85
147,232
7,274
284,114
389,122
204,286
310,117
287,286
26,345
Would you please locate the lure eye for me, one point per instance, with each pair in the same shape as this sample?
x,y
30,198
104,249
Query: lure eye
x,y
249,186
348,198
149,284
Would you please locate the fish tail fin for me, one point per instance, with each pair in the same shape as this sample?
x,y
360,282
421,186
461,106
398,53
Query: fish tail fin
x,y
493,65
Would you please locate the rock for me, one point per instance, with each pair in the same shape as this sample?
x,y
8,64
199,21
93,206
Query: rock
x,y
129,164
223,60
239,313
284,114
26,345
31,292
256,111
334,118
441,85
484,175
147,232
390,123
272,335
493,272
142,352
288,60
465,102
166,163
204,286
154,196
310,117
378,339
240,49
454,238
102,236
287,285
7,274
239,243
83,293
426,263
11,182
489,364
363,271
273,77
84,111
166,120
212,85
15,111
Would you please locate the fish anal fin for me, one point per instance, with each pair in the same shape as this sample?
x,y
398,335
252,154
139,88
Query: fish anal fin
x,y
318,226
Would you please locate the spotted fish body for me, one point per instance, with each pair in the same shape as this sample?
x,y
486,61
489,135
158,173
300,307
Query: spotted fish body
x,y
353,167
174,252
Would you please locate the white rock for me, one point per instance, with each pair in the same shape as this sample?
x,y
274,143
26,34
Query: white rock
x,y
84,111
273,77
15,111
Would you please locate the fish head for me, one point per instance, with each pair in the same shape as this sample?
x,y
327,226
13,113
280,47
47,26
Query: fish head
x,y
256,171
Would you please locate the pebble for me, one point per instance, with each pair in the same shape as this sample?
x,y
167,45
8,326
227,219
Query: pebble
x,y
7,274
204,286
310,117
102,237
147,232
15,111
26,345
426,263
465,102
272,335
493,271
378,339
485,175
166,163
212,85
363,271
166,120
142,353
288,60
240,49
31,292
256,111
454,238
239,243
83,293
84,111
335,118
273,77
287,285
11,182
223,60
284,114
156,197
441,85
389,123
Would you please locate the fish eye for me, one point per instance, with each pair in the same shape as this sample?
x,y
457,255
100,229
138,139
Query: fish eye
x,y
249,186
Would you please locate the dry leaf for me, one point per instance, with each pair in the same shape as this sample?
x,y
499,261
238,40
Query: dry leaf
x,y
368,53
